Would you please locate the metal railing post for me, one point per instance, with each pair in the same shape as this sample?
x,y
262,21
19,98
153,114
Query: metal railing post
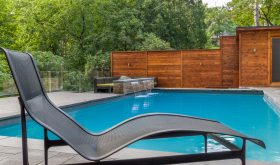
x,y
49,81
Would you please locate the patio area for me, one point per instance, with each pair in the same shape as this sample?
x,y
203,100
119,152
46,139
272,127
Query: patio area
x,y
10,107
10,147
13,156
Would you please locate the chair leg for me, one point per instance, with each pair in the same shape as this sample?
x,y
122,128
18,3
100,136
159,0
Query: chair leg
x,y
24,133
243,160
46,147
205,143
243,156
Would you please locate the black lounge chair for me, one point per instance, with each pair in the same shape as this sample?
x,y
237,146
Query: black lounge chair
x,y
96,147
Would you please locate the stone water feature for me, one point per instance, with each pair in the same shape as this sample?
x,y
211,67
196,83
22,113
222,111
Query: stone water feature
x,y
133,85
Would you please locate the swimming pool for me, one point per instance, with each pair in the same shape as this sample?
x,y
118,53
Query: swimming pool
x,y
248,113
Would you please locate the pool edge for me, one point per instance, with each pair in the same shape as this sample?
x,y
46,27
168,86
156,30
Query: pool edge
x,y
189,90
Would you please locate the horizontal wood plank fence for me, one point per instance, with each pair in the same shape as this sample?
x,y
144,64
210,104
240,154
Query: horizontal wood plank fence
x,y
217,68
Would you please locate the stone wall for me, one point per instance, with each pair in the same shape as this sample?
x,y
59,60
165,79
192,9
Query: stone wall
x,y
133,85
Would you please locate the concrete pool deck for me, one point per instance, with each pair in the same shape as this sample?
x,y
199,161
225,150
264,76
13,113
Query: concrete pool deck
x,y
10,147
10,106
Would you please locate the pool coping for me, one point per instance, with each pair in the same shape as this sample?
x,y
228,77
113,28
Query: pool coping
x,y
66,106
189,90
37,143
215,90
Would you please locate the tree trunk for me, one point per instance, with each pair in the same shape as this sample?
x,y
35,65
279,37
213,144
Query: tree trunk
x,y
256,13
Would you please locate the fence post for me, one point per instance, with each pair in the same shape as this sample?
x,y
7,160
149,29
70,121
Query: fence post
x,y
80,82
61,81
61,77
49,81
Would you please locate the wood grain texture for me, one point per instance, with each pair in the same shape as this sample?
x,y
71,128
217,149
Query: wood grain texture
x,y
166,66
230,62
254,65
255,49
188,68
129,64
201,68
243,60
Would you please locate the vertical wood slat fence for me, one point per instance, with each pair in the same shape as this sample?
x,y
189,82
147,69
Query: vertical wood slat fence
x,y
215,68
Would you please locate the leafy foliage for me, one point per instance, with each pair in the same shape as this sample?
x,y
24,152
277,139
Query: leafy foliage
x,y
76,81
99,62
270,12
47,61
8,26
152,42
242,12
4,71
179,22
219,22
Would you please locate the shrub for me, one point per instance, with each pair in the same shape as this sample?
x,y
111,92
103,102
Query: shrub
x,y
98,65
76,81
99,62
47,61
152,42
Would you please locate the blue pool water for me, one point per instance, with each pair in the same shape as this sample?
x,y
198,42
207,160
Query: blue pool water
x,y
247,113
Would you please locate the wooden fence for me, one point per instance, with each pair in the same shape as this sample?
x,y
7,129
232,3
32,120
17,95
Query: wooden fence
x,y
215,68
230,62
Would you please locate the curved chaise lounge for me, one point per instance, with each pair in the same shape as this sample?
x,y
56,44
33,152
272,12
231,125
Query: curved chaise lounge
x,y
96,147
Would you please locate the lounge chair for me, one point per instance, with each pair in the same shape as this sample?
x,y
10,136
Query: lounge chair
x,y
97,147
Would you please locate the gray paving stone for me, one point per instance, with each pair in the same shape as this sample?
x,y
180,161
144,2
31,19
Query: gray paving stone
x,y
5,156
138,153
3,137
221,162
252,162
76,159
16,142
10,150
10,107
59,158
35,157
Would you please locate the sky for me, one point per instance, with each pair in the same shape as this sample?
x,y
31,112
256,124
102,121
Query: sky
x,y
214,3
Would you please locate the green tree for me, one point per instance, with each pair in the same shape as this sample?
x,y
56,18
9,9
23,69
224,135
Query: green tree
x,y
179,22
270,12
99,62
152,42
119,25
219,22
8,26
47,61
242,12
40,24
